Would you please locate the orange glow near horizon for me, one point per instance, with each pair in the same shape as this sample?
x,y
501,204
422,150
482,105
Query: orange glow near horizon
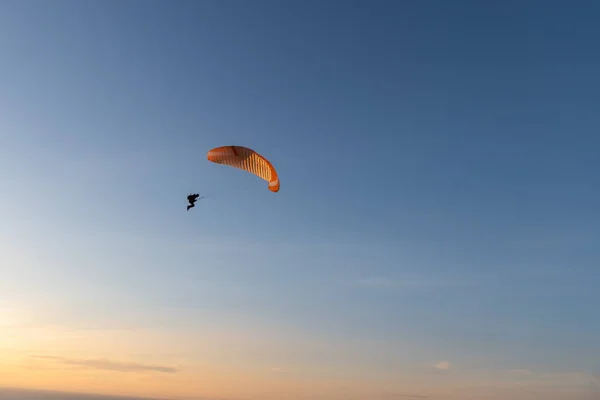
x,y
192,365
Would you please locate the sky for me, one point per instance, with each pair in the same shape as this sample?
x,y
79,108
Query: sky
x,y
437,231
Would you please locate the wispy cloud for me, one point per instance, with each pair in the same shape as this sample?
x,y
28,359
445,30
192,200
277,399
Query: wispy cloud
x,y
557,378
388,396
108,365
382,282
570,378
9,393
521,372
442,365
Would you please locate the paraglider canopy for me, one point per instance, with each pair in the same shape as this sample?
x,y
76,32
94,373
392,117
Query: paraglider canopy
x,y
248,160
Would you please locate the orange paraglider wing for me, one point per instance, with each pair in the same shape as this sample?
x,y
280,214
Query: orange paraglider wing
x,y
248,160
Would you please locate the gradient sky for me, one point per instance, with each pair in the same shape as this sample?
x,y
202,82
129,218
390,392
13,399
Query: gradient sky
x,y
437,232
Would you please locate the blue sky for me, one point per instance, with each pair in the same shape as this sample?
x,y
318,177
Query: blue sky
x,y
438,162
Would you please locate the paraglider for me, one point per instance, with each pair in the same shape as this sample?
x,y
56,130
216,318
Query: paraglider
x,y
192,198
247,160
241,158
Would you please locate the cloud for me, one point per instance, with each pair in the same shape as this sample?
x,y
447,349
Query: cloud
x,y
108,365
9,393
389,396
568,378
522,372
380,282
555,378
442,365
